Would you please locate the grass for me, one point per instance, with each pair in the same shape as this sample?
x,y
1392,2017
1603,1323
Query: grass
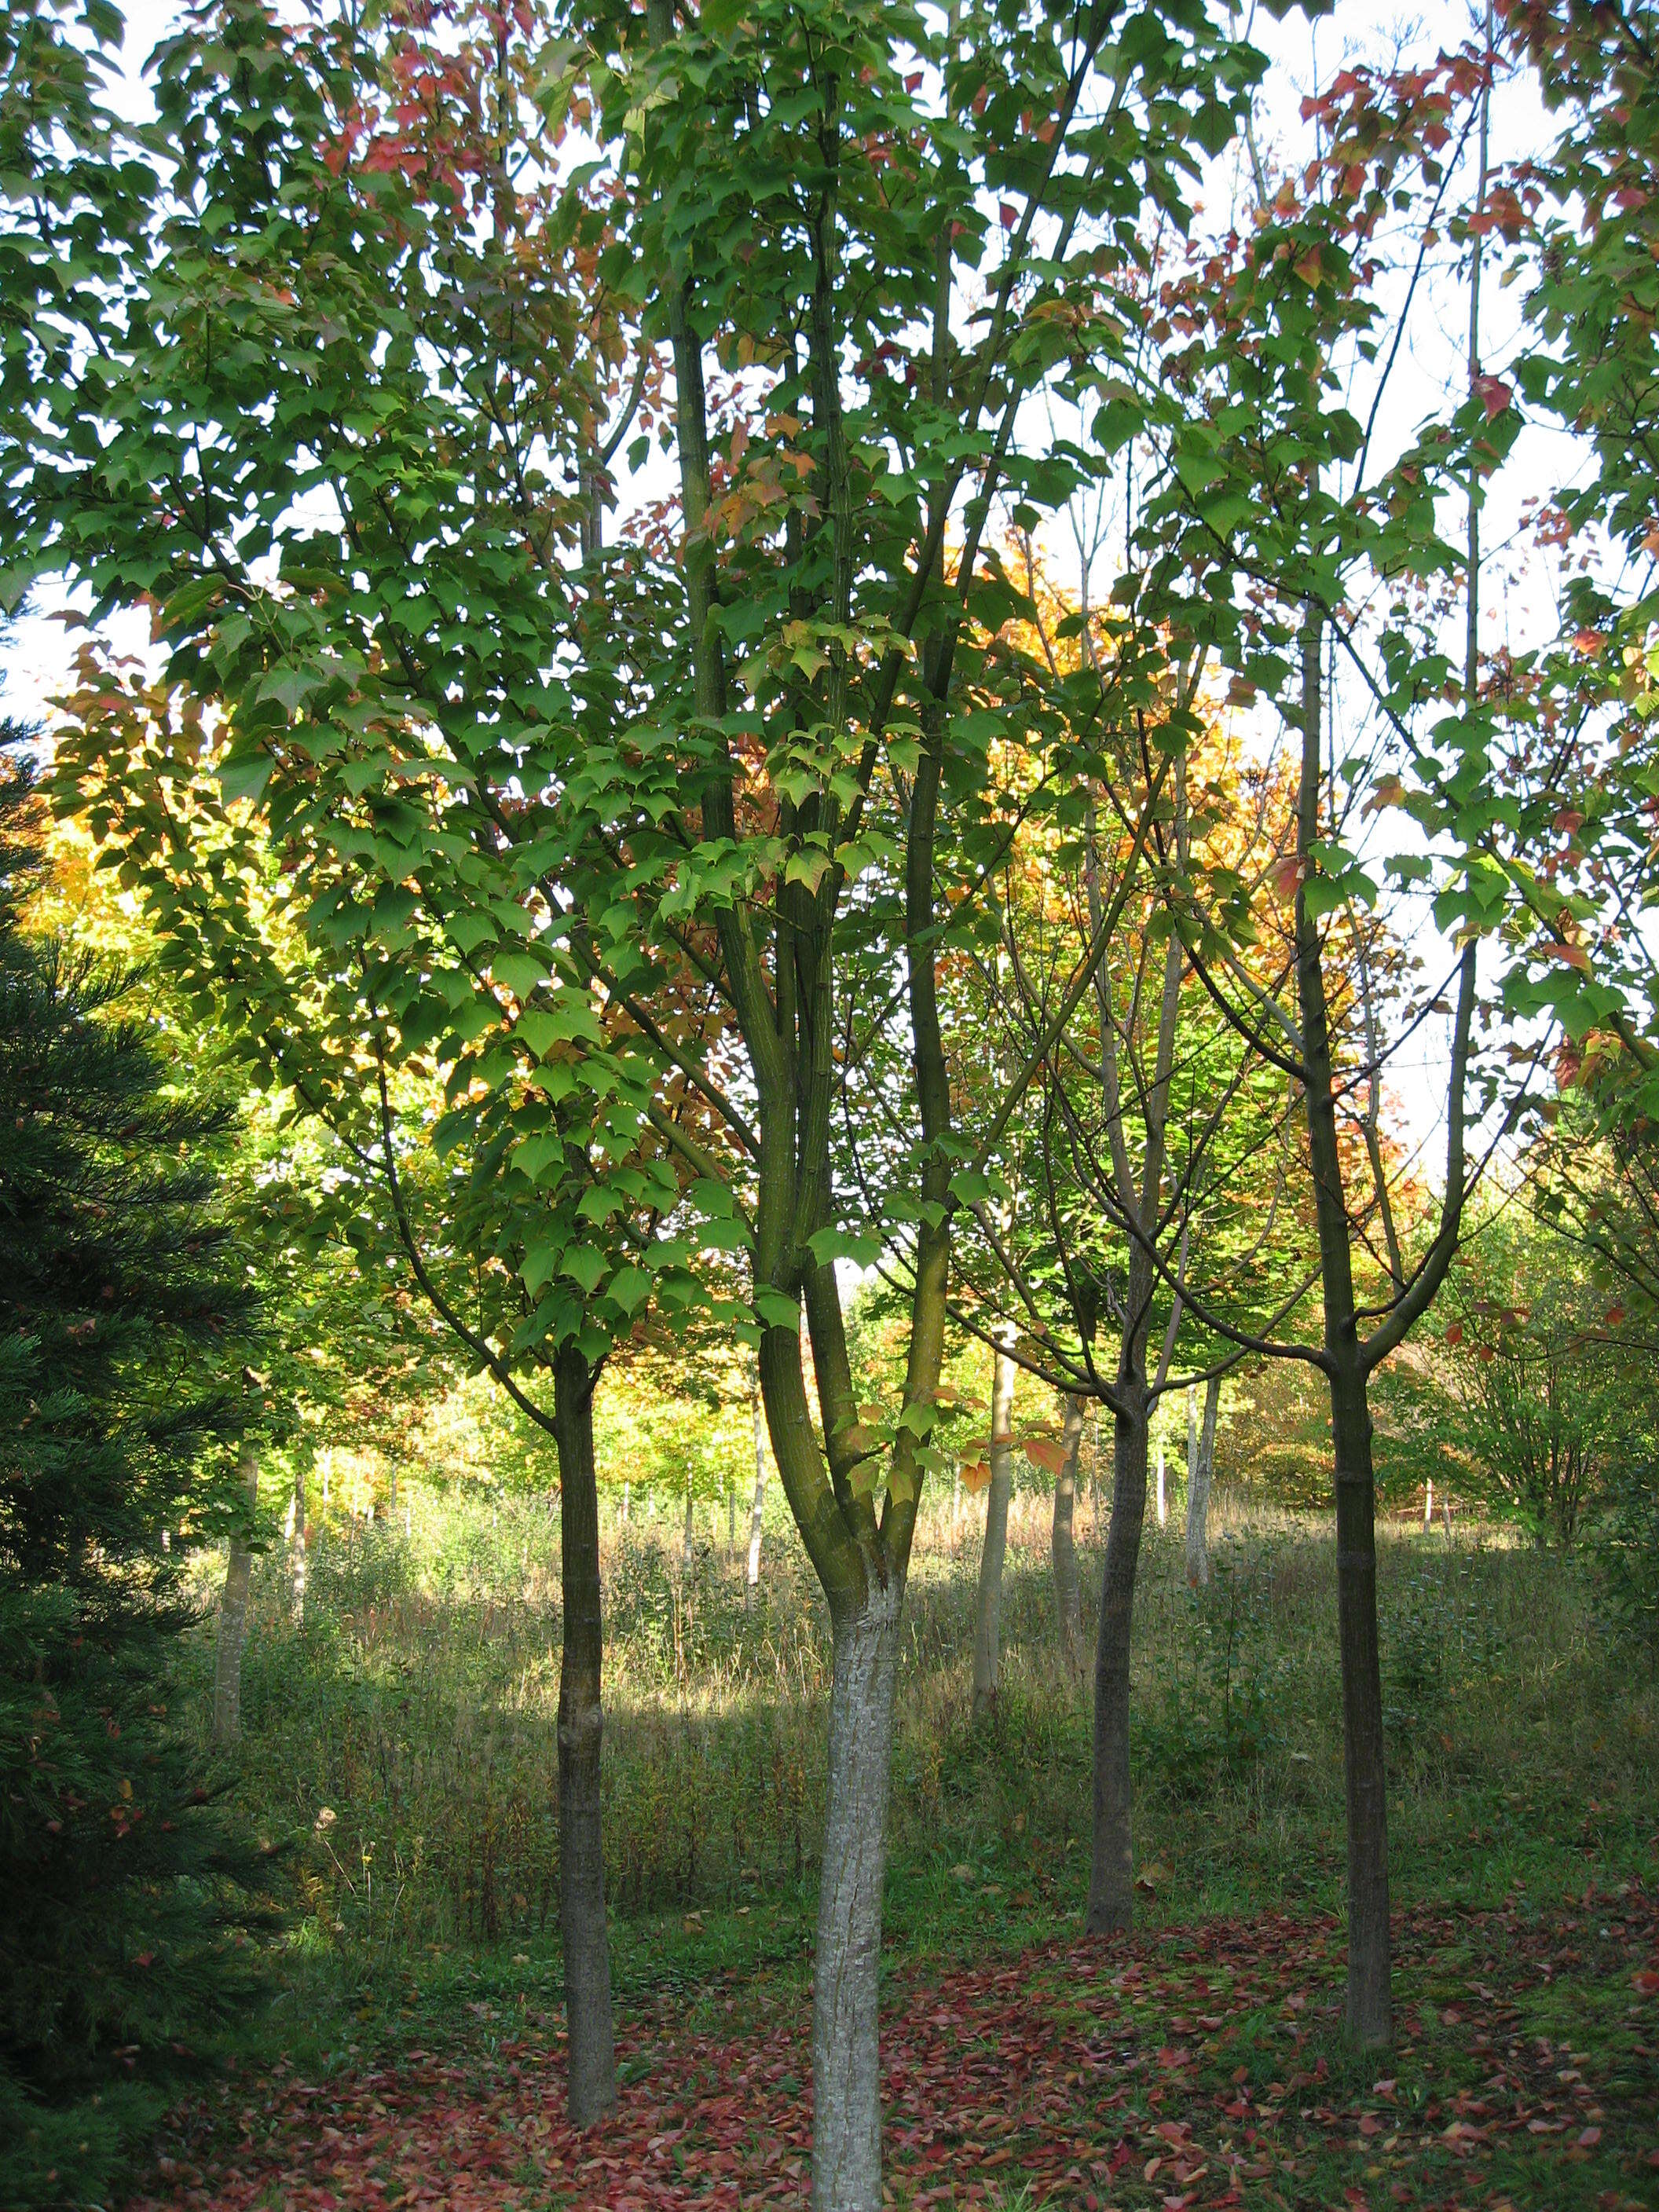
x,y
414,1704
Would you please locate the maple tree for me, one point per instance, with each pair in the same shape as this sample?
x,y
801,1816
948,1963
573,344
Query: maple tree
x,y
1116,1170
1581,217
356,422
562,453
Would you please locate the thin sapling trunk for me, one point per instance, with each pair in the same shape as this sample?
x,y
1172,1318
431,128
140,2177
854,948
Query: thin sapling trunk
x,y
987,1610
1200,1468
1068,1599
756,1518
233,1617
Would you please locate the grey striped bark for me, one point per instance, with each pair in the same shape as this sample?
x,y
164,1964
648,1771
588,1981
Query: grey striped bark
x,y
1068,1598
987,1611
582,1730
1200,1467
846,2052
233,1617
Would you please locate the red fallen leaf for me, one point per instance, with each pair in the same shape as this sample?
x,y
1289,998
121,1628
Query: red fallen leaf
x,y
1369,2124
1589,2137
1647,1981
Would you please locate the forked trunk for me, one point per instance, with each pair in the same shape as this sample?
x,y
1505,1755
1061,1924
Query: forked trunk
x,y
1369,2010
1111,1871
846,2052
233,1618
987,1611
1068,1599
581,1727
1200,1467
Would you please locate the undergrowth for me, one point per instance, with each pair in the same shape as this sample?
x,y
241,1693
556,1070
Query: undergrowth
x,y
402,1727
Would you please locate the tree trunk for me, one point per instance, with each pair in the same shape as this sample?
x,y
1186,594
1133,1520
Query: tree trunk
x,y
1111,1872
233,1617
1369,2018
846,2052
689,1547
757,1515
1068,1600
1369,2012
300,1535
987,1610
581,1727
1200,1468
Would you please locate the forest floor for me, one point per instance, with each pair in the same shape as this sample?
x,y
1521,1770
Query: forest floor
x,y
401,1736
1182,2066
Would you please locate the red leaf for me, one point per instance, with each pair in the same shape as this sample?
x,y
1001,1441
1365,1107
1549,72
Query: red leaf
x,y
1009,215
1493,394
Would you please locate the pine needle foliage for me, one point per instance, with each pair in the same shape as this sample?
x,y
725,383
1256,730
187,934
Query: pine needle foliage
x,y
122,1311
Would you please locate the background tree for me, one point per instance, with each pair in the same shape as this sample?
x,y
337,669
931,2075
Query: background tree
x,y
122,1301
1324,577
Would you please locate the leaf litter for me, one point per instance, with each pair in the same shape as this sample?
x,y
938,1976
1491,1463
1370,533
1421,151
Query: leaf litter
x,y
1182,2067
